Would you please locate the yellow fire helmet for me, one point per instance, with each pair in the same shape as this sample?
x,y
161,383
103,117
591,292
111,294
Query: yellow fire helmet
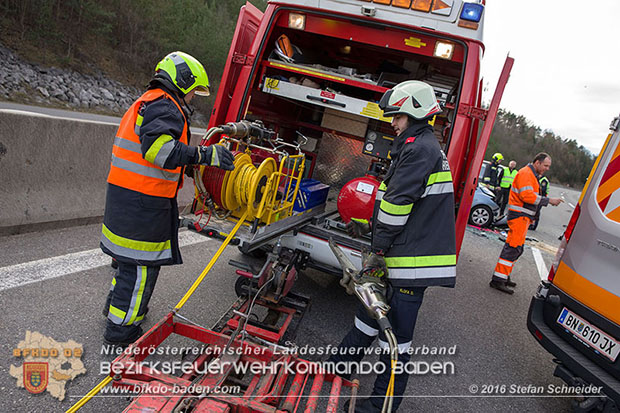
x,y
185,73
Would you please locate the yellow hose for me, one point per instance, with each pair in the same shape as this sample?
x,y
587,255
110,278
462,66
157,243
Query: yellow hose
x,y
389,394
77,406
215,257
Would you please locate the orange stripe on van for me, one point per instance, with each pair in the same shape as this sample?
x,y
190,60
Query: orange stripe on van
x,y
598,159
609,187
587,293
614,215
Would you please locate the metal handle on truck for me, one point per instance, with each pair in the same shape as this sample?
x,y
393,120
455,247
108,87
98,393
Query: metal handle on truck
x,y
328,101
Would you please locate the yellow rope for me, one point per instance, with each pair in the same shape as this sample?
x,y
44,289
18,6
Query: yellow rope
x,y
77,406
204,273
211,263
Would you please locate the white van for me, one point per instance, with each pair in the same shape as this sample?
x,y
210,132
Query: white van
x,y
575,315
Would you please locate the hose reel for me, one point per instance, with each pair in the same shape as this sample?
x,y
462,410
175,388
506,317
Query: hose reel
x,y
249,188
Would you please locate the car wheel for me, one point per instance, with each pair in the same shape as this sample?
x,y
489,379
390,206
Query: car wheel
x,y
481,216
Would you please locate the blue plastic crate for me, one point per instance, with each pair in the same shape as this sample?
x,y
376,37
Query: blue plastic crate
x,y
311,193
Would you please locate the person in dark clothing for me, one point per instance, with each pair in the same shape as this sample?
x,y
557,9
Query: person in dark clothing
x,y
508,176
141,218
413,233
543,191
494,173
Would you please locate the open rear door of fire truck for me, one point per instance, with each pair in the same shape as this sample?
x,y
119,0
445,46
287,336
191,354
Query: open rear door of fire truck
x,y
476,156
237,71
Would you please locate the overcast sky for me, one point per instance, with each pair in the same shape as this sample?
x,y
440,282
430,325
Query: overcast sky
x,y
566,75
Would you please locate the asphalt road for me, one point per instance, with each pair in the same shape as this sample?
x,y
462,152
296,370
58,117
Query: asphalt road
x,y
487,328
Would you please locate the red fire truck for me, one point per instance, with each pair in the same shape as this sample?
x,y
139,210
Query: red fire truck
x,y
312,72
342,56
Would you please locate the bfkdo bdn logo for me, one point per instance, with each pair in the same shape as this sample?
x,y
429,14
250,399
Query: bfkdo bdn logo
x,y
35,376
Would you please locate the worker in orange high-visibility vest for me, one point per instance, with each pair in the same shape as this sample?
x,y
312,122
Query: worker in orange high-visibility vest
x,y
524,203
141,219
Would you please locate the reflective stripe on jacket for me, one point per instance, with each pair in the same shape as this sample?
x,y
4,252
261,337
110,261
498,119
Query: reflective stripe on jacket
x,y
141,218
413,218
544,185
524,198
140,229
132,169
508,177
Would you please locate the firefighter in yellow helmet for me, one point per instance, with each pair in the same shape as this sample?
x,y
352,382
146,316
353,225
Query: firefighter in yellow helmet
x,y
494,173
140,224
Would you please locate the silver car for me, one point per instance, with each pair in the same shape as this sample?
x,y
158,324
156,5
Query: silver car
x,y
484,211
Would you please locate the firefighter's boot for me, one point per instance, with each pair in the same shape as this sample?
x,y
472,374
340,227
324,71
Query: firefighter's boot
x,y
362,406
498,285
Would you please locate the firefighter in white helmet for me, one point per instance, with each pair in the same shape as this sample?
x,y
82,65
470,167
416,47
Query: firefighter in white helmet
x,y
413,233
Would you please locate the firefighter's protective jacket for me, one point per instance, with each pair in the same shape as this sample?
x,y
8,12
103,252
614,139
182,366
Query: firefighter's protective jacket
x,y
525,199
140,224
413,218
493,175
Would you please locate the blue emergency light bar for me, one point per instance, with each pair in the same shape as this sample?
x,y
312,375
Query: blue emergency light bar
x,y
472,12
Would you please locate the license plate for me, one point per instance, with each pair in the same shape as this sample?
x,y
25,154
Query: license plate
x,y
594,337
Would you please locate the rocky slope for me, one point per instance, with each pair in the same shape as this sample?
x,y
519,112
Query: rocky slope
x,y
27,83
23,82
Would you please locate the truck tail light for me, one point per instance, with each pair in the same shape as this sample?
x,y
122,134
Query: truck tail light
x,y
297,21
551,275
567,235
571,224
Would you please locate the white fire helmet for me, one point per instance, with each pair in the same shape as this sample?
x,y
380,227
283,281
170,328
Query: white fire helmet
x,y
413,98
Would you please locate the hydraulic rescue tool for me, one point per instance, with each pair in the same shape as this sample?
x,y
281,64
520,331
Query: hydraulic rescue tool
x,y
372,295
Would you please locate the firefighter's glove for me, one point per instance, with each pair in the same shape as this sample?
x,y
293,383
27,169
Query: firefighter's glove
x,y
357,228
373,269
216,155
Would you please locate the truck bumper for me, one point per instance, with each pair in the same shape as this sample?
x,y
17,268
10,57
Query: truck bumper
x,y
574,364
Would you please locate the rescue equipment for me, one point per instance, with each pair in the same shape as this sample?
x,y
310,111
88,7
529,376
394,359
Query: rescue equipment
x,y
266,192
237,339
372,296
357,198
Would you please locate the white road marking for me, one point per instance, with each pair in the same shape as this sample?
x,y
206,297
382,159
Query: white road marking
x,y
47,268
540,263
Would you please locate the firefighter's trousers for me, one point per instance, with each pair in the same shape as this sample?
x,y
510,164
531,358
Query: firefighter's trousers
x,y
502,199
404,304
513,248
128,299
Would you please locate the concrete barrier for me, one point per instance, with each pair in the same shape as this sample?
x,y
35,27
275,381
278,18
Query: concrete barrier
x,y
53,171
